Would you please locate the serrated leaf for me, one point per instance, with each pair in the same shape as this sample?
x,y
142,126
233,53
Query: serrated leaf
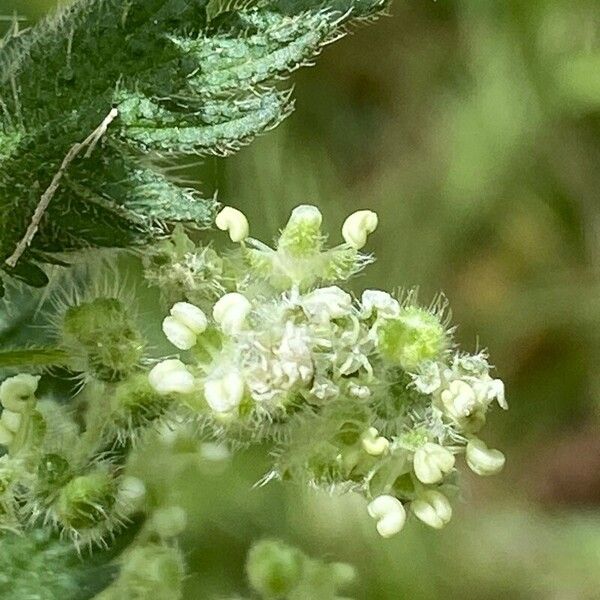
x,y
185,76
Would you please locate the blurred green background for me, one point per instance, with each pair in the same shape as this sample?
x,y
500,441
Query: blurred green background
x,y
473,128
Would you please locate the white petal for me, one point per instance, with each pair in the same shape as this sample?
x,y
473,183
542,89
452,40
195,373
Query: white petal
x,y
327,303
385,305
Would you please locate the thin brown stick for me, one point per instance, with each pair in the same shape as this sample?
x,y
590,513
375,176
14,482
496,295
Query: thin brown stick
x,y
90,143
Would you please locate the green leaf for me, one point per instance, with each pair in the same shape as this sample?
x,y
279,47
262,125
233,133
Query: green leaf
x,y
32,357
185,76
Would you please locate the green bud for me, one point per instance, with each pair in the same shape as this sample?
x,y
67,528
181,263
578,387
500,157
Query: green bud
x,y
152,571
103,331
85,501
274,568
135,405
53,470
414,337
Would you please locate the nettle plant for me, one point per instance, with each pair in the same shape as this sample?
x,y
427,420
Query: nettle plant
x,y
367,395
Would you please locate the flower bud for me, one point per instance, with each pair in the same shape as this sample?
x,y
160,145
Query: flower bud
x,y
343,574
381,302
274,569
180,335
327,303
359,391
460,399
432,462
184,325
234,222
131,492
224,393
18,392
373,443
414,337
230,312
169,521
85,500
488,390
389,514
358,226
214,452
191,316
171,376
151,570
483,460
105,334
433,508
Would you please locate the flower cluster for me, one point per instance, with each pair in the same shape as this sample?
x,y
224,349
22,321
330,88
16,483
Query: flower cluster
x,y
367,394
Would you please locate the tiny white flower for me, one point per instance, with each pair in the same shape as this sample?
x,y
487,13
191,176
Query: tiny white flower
x,y
429,378
358,226
18,391
234,222
476,365
489,389
373,443
327,303
483,460
191,316
431,462
294,355
171,376
324,388
230,312
389,514
180,335
384,304
460,399
433,508
224,392
359,391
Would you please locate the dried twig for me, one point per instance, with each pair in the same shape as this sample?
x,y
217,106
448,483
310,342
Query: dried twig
x,y
89,143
